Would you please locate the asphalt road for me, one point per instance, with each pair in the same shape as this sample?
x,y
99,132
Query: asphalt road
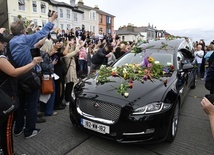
x,y
59,137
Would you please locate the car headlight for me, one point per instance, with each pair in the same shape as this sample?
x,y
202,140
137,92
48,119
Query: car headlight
x,y
152,108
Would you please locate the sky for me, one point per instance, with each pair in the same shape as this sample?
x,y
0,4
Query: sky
x,y
189,18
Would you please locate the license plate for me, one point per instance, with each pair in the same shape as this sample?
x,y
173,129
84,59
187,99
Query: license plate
x,y
104,129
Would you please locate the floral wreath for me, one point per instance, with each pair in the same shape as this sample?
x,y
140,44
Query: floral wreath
x,y
147,70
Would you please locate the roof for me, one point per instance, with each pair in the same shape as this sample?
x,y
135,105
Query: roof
x,y
131,30
63,4
81,5
126,32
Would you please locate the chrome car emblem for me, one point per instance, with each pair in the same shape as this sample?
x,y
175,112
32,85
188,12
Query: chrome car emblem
x,y
96,106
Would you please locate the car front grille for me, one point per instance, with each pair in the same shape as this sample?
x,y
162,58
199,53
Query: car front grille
x,y
99,109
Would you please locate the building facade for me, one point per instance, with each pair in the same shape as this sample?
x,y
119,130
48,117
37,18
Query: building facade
x,y
69,15
96,20
144,33
37,11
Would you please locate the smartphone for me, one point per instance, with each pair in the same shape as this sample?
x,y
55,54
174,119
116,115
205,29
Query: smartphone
x,y
35,52
210,97
50,13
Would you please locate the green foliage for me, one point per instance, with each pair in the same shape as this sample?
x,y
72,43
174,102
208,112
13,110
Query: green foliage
x,y
130,72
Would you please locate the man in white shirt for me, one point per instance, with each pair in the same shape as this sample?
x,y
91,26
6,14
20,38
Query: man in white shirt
x,y
199,53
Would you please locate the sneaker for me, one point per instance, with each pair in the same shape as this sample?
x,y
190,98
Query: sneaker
x,y
40,120
53,114
40,114
16,134
67,103
34,133
59,107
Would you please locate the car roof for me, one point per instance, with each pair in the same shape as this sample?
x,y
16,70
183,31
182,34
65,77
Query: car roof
x,y
179,44
170,44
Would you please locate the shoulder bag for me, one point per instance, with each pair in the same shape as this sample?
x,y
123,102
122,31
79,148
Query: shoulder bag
x,y
29,81
47,85
8,104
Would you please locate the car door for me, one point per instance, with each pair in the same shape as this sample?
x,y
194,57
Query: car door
x,y
183,76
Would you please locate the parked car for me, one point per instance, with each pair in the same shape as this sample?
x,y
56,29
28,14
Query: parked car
x,y
150,111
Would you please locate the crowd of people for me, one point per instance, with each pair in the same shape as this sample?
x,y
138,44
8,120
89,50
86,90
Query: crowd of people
x,y
203,59
81,53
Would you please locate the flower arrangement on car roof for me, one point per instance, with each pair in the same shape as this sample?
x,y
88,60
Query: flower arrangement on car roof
x,y
147,70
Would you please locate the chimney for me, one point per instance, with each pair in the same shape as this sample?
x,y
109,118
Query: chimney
x,y
96,7
129,24
72,2
130,27
80,2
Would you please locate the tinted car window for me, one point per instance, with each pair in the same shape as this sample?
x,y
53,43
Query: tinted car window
x,y
164,58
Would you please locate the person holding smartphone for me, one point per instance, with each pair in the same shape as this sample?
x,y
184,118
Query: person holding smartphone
x,y
8,73
208,107
20,46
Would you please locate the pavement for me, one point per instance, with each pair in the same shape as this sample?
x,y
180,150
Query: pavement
x,y
59,137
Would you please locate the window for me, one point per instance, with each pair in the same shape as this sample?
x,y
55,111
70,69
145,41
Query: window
x,y
15,18
68,14
108,31
34,5
21,4
123,38
68,26
101,18
62,26
92,28
108,20
92,15
43,8
35,22
75,17
61,13
43,23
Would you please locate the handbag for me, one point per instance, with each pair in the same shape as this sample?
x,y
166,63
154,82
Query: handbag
x,y
30,81
8,104
47,85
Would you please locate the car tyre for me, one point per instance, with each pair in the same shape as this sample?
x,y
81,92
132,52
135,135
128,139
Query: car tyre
x,y
174,124
71,104
194,84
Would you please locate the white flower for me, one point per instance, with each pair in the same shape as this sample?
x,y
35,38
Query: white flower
x,y
102,66
114,69
126,94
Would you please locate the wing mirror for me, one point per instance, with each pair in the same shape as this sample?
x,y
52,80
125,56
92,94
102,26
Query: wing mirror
x,y
187,67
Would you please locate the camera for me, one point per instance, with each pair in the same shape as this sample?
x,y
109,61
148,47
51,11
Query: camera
x,y
35,52
210,97
50,13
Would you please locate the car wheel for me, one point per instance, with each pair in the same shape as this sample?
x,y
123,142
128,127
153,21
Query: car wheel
x,y
70,112
174,124
193,84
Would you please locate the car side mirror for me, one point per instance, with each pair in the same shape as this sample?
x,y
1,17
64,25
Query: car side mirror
x,y
187,67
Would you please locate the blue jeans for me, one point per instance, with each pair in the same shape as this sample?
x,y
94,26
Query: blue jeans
x,y
28,106
82,66
199,70
48,108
